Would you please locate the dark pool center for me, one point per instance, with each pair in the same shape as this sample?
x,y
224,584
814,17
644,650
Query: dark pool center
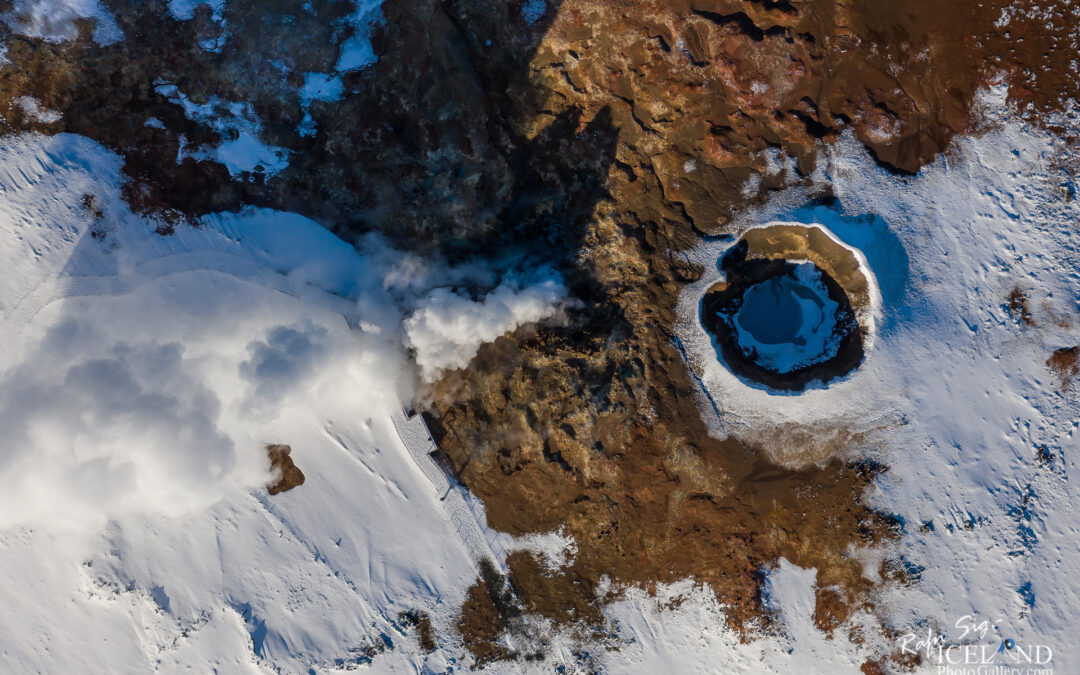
x,y
773,314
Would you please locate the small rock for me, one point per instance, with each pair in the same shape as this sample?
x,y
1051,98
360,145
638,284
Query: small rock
x,y
282,464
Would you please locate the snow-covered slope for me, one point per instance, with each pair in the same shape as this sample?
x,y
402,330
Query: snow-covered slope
x,y
140,379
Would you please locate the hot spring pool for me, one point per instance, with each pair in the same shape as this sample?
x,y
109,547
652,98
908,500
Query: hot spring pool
x,y
790,309
787,322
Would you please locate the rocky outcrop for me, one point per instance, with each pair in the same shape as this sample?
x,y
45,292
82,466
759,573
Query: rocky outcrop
x,y
288,475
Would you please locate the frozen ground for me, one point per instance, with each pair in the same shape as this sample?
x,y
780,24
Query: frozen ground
x,y
955,393
243,152
142,376
54,20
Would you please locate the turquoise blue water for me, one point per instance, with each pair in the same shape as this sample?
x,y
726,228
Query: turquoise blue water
x,y
772,312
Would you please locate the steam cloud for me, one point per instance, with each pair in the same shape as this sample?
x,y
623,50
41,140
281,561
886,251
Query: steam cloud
x,y
447,329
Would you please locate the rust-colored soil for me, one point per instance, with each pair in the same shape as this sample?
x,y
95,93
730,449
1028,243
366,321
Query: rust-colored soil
x,y
800,242
1065,363
482,624
281,463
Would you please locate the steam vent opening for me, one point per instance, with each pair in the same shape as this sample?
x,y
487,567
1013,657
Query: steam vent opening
x,y
793,308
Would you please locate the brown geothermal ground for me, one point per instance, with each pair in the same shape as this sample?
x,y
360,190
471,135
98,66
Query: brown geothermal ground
x,y
605,138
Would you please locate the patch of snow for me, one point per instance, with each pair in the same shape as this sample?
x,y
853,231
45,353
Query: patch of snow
x,y
776,162
184,10
555,550
54,20
247,153
242,151
307,127
357,52
32,108
321,87
682,629
752,185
